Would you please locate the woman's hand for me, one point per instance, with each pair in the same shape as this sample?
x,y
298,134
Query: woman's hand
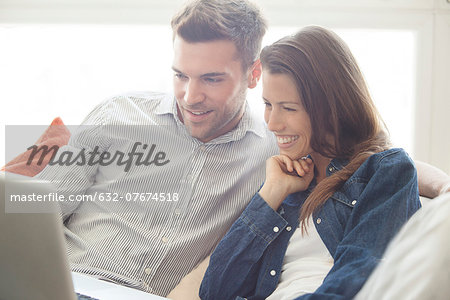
x,y
285,176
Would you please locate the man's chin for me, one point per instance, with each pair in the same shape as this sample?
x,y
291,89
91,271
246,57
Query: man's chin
x,y
200,135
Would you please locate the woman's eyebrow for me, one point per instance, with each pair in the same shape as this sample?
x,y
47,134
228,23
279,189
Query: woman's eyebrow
x,y
284,102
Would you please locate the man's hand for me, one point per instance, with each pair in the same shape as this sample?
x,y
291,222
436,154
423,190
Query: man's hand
x,y
285,176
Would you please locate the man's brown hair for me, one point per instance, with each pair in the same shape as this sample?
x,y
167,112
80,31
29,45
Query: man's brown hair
x,y
238,21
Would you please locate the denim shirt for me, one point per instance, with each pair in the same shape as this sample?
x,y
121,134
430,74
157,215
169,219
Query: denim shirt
x,y
355,224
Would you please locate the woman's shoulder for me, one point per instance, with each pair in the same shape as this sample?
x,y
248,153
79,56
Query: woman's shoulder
x,y
391,158
391,162
392,154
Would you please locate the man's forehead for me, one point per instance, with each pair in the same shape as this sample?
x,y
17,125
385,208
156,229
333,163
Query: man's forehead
x,y
213,58
216,49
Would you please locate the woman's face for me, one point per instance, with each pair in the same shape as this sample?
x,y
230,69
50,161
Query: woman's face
x,y
285,115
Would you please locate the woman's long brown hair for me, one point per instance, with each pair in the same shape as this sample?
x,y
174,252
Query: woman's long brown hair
x,y
345,122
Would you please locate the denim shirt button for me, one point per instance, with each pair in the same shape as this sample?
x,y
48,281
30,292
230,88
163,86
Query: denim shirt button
x,y
331,169
353,202
276,229
273,273
289,228
319,220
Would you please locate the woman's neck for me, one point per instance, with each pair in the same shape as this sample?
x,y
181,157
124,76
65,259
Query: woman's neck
x,y
320,163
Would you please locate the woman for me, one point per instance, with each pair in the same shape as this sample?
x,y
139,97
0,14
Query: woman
x,y
336,178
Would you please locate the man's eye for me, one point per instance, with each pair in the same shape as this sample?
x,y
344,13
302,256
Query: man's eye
x,y
267,104
180,76
212,79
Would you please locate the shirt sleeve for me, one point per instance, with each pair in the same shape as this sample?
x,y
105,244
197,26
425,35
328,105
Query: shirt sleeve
x,y
234,266
70,179
388,200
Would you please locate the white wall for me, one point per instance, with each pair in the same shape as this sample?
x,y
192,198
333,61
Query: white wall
x,y
428,19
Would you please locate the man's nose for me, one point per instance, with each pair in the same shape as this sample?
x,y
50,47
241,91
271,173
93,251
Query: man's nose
x,y
193,93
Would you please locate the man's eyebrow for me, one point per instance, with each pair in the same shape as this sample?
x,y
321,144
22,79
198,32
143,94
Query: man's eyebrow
x,y
213,74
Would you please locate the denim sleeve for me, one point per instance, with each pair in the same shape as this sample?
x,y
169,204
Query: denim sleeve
x,y
234,265
388,200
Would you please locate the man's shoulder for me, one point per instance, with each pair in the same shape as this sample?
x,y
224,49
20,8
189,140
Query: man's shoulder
x,y
130,108
145,99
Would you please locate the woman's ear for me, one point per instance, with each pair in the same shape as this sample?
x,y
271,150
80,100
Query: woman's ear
x,y
254,74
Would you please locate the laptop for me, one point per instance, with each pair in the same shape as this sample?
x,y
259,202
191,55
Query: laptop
x,y
33,261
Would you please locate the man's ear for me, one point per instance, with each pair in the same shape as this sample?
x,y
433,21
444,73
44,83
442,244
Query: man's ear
x,y
255,74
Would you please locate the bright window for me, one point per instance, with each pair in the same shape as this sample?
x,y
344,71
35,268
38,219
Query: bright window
x,y
65,70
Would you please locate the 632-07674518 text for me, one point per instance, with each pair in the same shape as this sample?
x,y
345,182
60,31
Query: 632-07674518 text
x,y
97,196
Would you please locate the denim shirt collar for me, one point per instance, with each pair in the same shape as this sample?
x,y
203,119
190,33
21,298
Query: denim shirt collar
x,y
336,165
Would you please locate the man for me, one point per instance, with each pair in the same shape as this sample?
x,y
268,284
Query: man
x,y
206,157
149,222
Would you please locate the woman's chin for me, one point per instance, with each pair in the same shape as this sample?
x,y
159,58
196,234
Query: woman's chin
x,y
293,155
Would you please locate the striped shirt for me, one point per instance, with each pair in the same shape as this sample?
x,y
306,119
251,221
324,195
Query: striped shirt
x,y
150,225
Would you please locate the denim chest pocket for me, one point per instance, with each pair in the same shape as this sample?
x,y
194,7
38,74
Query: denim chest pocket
x,y
346,199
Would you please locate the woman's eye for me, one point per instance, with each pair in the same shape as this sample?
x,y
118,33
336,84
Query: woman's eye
x,y
267,104
289,109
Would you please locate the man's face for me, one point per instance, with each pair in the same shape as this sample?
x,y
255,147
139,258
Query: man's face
x,y
210,87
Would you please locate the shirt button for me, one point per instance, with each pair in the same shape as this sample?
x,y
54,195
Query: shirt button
x,y
189,177
289,228
164,239
353,202
273,272
147,271
177,211
331,169
276,229
319,220
203,147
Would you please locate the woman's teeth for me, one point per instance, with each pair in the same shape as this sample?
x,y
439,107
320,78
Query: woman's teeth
x,y
286,139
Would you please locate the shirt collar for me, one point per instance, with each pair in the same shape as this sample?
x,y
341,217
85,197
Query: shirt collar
x,y
167,106
335,165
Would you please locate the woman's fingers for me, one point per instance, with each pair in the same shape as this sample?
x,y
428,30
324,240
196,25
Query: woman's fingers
x,y
294,167
286,162
299,168
287,176
306,163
